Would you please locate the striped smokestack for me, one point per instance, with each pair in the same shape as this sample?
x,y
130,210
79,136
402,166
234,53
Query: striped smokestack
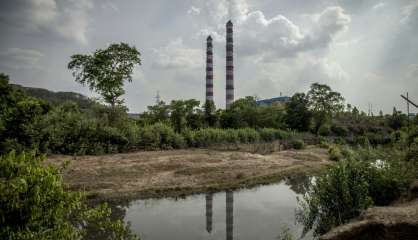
x,y
209,69
229,64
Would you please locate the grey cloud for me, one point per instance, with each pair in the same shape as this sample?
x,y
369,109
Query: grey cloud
x,y
20,59
176,55
67,19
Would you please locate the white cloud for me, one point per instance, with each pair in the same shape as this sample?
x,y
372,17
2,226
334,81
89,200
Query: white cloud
x,y
268,39
193,11
108,5
18,58
379,6
68,19
177,55
408,11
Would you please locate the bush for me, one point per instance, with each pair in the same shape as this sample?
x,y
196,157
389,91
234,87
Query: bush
x,y
353,184
267,134
160,136
248,135
297,144
362,141
339,130
335,153
339,141
34,205
324,130
323,142
337,196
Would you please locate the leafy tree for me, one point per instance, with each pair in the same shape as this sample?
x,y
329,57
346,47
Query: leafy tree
x,y
35,205
106,70
298,114
355,112
210,116
397,120
324,103
156,113
184,114
241,114
18,113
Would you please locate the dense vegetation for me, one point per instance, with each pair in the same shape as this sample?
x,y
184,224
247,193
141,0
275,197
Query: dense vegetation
x,y
28,123
35,205
362,177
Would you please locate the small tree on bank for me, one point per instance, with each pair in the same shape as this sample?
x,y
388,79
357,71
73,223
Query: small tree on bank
x,y
106,70
298,115
324,103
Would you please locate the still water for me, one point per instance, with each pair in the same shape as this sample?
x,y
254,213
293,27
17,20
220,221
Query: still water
x,y
257,213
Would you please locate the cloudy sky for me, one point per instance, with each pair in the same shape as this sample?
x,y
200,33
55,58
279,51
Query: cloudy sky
x,y
365,49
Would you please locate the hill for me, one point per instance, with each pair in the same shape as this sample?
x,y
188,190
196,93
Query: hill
x,y
55,98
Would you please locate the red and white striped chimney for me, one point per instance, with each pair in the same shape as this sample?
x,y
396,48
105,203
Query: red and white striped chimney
x,y
209,69
229,64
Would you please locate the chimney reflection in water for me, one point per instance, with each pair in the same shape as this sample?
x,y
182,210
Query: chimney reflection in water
x,y
209,199
229,213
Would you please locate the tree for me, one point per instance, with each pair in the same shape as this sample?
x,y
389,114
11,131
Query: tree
x,y
18,113
184,114
209,111
106,70
324,103
298,115
241,114
160,112
35,205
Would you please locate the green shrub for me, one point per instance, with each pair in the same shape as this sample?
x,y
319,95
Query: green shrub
x,y
388,180
339,130
339,141
362,141
335,153
337,196
159,136
248,135
297,144
324,130
351,185
323,142
35,205
231,136
149,138
267,134
189,137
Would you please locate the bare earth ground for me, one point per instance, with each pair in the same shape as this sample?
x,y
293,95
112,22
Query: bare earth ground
x,y
180,172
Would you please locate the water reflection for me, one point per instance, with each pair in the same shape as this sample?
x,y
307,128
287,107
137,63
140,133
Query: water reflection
x,y
209,213
229,215
229,220
256,213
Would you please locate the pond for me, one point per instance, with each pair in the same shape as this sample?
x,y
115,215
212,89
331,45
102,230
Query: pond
x,y
258,213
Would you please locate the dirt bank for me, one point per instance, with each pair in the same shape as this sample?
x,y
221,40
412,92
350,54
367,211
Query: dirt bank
x,y
398,221
180,172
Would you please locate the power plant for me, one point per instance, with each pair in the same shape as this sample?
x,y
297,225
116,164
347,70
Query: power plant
x,y
229,86
229,97
229,64
209,69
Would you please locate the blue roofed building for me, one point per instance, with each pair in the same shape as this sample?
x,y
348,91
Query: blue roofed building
x,y
271,101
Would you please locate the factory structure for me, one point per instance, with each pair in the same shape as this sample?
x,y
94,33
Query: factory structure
x,y
229,86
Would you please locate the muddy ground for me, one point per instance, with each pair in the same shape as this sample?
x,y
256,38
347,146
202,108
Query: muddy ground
x,y
180,172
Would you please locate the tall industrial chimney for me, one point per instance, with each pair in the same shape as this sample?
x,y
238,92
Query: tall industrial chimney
x,y
209,69
229,64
